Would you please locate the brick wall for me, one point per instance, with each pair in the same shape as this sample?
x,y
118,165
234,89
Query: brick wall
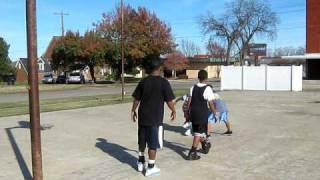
x,y
313,26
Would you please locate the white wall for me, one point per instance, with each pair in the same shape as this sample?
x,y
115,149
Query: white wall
x,y
231,77
279,78
297,77
274,78
254,78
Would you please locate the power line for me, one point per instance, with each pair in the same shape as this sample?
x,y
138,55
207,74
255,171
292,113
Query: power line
x,y
283,11
290,6
189,21
292,11
62,14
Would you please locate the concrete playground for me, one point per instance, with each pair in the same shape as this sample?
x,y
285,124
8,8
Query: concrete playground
x,y
276,136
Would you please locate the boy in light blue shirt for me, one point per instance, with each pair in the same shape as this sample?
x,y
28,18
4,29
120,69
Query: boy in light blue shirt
x,y
221,114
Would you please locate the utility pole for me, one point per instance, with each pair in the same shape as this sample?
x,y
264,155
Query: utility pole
x,y
62,14
34,107
122,51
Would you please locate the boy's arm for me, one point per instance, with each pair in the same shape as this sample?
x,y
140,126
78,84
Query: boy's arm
x,y
133,110
137,94
210,97
178,99
171,105
212,106
169,99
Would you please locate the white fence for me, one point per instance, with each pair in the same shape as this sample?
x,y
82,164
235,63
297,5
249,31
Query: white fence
x,y
269,78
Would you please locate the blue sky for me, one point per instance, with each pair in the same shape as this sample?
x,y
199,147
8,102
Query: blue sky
x,y
181,15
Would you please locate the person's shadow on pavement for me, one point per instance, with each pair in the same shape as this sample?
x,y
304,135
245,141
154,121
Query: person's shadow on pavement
x,y
16,149
177,147
175,129
118,152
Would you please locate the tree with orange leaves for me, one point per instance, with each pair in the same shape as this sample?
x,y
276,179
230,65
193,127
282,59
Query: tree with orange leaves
x,y
92,51
145,35
176,61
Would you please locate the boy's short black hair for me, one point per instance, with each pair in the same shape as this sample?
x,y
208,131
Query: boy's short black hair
x,y
202,75
152,63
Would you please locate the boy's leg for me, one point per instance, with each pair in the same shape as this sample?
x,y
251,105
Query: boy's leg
x,y
142,146
224,117
152,157
153,140
152,169
141,155
211,120
193,151
209,128
205,143
228,126
186,123
196,140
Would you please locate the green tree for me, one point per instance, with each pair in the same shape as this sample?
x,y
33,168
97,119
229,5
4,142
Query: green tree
x,y
5,63
145,35
66,54
73,52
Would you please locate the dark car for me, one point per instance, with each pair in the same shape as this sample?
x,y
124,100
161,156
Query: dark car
x,y
10,79
61,79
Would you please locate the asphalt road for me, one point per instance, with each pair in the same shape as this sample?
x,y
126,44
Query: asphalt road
x,y
92,91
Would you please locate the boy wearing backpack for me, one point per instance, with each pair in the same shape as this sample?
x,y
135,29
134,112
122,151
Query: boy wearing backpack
x,y
202,96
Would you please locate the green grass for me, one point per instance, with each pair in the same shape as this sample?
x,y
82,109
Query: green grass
x,y
23,88
20,108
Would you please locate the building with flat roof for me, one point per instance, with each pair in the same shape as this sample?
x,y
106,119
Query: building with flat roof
x,y
313,39
312,55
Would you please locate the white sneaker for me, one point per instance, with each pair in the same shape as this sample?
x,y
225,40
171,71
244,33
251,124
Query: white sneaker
x,y
186,125
141,166
188,132
152,172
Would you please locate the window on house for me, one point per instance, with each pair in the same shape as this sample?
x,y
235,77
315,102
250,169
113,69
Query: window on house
x,y
41,66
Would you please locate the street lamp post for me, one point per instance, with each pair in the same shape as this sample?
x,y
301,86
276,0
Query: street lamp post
x,y
122,52
34,107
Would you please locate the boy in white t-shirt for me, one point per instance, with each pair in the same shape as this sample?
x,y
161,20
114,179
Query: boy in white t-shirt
x,y
201,96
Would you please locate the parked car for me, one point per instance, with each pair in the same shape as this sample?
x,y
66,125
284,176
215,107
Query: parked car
x,y
61,79
76,77
10,79
48,79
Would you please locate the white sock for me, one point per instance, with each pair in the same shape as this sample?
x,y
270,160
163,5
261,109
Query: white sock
x,y
152,161
141,153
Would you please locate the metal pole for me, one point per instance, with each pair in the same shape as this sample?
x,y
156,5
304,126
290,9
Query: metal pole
x,y
34,107
122,51
62,14
62,23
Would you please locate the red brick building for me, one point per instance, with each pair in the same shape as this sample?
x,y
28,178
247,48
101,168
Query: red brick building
x,y
22,69
313,39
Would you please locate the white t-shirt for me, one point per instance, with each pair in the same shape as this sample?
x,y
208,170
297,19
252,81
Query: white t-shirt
x,y
207,94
